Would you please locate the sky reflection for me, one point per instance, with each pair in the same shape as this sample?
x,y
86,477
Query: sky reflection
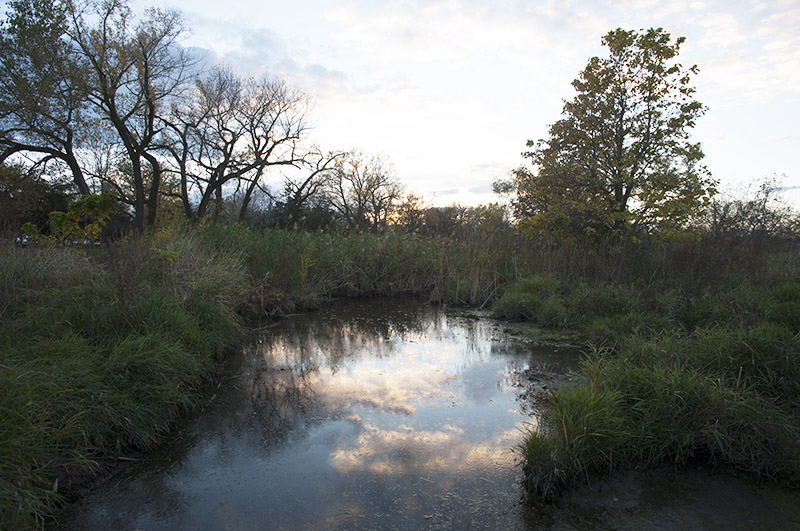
x,y
363,415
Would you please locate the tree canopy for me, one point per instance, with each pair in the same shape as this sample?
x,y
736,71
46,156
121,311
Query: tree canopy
x,y
119,104
621,157
42,88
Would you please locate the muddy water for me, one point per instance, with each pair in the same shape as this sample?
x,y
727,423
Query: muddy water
x,y
382,415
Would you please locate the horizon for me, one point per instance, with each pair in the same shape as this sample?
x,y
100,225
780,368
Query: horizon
x,y
450,91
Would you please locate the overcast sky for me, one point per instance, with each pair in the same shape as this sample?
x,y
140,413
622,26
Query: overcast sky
x,y
450,90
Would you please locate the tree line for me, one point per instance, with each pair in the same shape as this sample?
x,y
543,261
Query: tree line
x,y
113,102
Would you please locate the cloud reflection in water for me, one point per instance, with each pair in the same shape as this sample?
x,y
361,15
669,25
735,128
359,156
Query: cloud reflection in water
x,y
365,415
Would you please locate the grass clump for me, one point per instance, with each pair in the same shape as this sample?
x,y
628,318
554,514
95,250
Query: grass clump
x,y
600,312
536,298
702,363
623,413
100,352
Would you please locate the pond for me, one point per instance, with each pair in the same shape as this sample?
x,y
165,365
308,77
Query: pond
x,y
373,415
366,414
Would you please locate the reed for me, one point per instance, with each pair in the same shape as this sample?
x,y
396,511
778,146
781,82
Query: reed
x,y
689,372
101,353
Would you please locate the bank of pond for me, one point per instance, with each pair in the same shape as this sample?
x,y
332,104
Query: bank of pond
x,y
689,355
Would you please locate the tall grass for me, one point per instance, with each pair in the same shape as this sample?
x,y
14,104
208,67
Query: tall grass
x,y
699,365
289,270
100,353
640,414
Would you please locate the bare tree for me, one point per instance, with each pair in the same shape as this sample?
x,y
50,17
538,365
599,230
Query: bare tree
x,y
230,131
363,191
310,187
110,96
134,69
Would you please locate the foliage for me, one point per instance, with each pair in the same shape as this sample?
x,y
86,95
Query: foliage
x,y
697,353
43,88
27,198
83,221
620,158
760,215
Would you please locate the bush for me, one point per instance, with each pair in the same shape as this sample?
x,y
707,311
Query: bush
x,y
532,299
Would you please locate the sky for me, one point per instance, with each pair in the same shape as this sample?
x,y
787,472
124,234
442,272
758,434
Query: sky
x,y
449,91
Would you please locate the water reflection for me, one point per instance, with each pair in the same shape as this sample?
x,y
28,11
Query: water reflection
x,y
365,415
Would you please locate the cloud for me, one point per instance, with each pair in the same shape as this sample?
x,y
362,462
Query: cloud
x,y
481,189
494,167
456,35
394,392
387,452
749,54
253,51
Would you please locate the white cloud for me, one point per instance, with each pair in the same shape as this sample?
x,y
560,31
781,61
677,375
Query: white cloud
x,y
444,86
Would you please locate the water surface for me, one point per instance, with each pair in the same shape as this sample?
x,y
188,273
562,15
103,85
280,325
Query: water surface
x,y
365,415
392,415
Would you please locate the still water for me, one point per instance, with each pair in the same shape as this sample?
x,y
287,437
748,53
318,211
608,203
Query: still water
x,y
367,415
392,415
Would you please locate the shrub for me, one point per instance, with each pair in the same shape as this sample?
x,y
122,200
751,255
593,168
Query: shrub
x,y
533,299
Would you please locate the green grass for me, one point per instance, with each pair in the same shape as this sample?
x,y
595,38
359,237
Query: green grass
x,y
102,349
707,373
101,353
622,414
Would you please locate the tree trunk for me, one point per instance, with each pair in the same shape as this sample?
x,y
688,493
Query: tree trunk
x,y
139,196
155,185
248,195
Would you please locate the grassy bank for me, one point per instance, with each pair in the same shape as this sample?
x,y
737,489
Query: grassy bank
x,y
103,348
702,361
100,353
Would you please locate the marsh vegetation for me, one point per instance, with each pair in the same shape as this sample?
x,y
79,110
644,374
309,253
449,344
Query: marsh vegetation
x,y
140,236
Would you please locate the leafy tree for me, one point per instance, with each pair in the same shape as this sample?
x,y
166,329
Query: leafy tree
x,y
42,88
621,156
84,219
26,197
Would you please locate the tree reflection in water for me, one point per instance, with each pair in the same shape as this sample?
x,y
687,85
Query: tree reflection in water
x,y
367,414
